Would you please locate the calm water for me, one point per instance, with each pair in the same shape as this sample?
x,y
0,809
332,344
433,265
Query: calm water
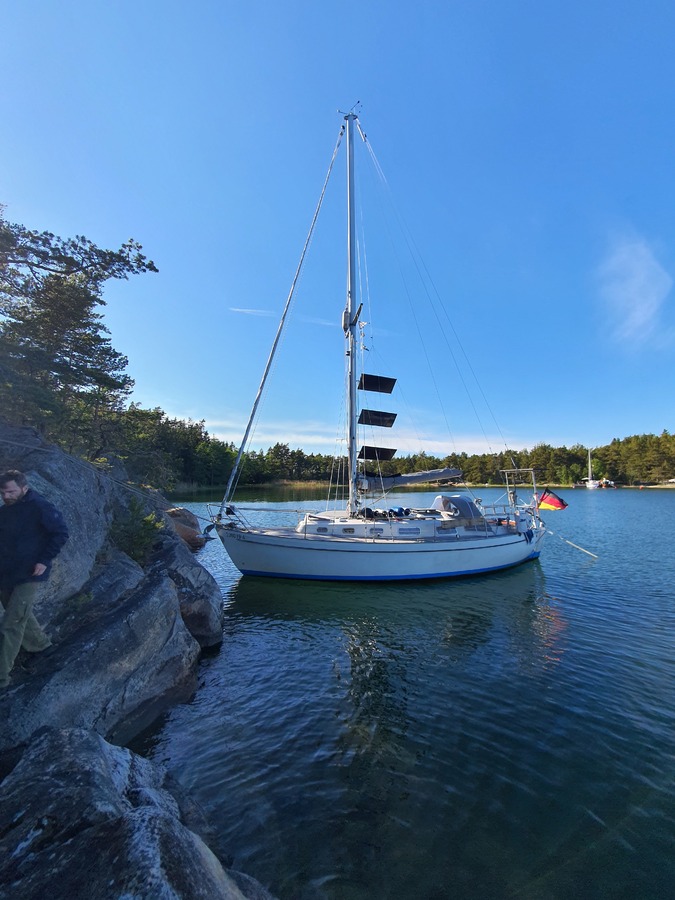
x,y
504,736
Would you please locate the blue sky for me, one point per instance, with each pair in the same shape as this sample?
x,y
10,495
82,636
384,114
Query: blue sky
x,y
529,148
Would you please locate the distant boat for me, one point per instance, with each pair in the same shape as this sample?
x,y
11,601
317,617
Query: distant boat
x,y
591,482
594,483
450,536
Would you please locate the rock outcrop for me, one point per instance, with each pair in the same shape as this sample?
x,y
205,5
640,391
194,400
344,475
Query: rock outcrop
x,y
101,822
129,608
128,636
186,525
194,585
115,674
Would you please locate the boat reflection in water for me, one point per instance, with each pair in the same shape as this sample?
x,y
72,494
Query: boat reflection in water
x,y
462,614
389,702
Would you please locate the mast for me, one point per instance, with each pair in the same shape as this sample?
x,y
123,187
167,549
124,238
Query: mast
x,y
350,318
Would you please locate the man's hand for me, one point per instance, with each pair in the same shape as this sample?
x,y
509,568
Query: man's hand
x,y
39,569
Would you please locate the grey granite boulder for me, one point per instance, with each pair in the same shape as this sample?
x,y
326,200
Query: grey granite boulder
x,y
201,602
79,817
82,818
128,636
114,675
186,524
91,501
84,497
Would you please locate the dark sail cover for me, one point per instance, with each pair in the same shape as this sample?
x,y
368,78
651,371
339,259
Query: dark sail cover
x,y
372,482
377,383
376,453
375,417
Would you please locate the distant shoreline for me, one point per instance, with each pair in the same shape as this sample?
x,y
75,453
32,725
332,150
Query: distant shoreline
x,y
620,487
214,494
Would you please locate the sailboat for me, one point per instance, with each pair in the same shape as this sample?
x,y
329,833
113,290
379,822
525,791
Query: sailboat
x,y
365,540
591,483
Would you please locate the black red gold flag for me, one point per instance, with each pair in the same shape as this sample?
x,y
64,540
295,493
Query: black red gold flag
x,y
549,500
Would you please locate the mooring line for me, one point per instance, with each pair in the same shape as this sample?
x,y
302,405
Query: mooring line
x,y
576,546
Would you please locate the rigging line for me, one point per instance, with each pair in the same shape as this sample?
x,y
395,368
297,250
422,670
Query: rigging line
x,y
234,474
407,408
576,546
361,248
404,280
377,356
412,306
365,297
422,268
256,423
363,277
416,259
373,346
338,465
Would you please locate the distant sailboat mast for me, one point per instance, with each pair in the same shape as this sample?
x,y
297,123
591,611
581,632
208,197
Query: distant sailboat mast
x,y
590,481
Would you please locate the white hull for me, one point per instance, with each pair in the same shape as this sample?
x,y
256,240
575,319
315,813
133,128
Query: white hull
x,y
283,553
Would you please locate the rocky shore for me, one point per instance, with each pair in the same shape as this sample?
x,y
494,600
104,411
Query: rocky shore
x,y
78,811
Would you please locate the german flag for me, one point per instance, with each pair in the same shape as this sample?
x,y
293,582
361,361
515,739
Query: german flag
x,y
549,500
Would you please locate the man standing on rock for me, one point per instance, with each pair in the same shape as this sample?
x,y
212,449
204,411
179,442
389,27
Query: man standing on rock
x,y
32,532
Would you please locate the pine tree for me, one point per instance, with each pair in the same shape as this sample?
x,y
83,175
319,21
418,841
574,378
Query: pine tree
x,y
58,369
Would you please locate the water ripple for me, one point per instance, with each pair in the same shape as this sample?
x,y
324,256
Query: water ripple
x,y
510,736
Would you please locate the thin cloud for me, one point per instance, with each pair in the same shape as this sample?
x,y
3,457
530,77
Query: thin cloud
x,y
320,437
251,312
634,287
327,323
312,437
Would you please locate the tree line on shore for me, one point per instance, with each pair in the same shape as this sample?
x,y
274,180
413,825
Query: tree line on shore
x,y
60,374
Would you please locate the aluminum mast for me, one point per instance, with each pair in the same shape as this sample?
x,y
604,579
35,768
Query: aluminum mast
x,y
350,317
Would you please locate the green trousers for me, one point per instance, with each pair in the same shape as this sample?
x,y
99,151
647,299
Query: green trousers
x,y
19,627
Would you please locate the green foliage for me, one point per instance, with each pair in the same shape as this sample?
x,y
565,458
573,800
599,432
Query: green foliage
x,y
135,532
634,460
28,258
58,369
78,602
161,451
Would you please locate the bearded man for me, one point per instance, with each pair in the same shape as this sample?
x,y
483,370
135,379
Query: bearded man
x,y
32,532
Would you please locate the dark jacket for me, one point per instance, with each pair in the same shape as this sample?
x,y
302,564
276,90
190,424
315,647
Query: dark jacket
x,y
32,531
